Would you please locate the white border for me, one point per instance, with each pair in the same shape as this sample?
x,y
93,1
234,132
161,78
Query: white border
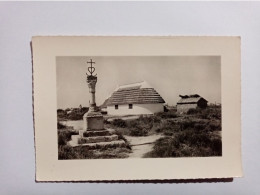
x,y
49,168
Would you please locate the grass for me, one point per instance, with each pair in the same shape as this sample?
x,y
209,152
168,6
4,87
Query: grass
x,y
208,113
192,135
189,135
188,143
142,126
67,152
195,134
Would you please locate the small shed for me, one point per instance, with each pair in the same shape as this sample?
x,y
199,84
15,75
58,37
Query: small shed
x,y
191,101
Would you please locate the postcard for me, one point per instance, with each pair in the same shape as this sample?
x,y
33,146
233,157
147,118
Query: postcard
x,y
110,108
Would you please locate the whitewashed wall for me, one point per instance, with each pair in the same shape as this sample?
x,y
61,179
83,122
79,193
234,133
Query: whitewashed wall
x,y
137,109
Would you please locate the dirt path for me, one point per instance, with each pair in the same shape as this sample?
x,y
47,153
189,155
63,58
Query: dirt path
x,y
141,145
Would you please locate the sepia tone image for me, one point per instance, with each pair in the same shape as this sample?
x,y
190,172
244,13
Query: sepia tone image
x,y
138,107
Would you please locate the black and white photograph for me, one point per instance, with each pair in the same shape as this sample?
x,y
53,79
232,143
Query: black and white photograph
x,y
136,104
111,107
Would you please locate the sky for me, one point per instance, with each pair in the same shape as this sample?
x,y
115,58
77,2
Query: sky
x,y
170,76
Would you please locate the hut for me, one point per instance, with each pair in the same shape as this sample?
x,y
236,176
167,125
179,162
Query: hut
x,y
190,101
134,99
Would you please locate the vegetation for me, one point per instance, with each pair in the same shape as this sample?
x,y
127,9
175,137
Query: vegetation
x,y
192,135
197,133
64,136
71,113
213,112
81,152
188,143
143,126
67,152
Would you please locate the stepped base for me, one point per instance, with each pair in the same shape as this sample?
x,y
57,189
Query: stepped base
x,y
85,140
105,132
96,139
117,143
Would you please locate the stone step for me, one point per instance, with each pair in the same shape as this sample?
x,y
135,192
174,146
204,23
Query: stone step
x,y
117,143
84,140
75,138
96,133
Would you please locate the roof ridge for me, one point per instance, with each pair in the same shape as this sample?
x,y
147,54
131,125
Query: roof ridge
x,y
130,83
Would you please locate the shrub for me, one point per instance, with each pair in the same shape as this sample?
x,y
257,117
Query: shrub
x,y
75,116
193,111
187,124
200,126
64,136
81,152
139,131
211,113
187,143
107,122
67,152
168,127
166,115
215,125
120,136
61,126
119,123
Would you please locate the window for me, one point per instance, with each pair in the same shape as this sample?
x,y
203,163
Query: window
x,y
116,107
130,106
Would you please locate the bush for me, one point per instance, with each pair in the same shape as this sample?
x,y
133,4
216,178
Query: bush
x,y
67,152
61,126
64,136
211,113
167,115
200,126
119,123
215,125
187,143
187,124
193,111
141,126
168,127
139,131
107,122
81,152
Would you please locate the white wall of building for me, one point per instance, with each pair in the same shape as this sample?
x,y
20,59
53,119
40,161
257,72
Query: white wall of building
x,y
137,109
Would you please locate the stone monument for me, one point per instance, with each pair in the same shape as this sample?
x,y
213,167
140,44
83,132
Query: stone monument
x,y
93,120
94,134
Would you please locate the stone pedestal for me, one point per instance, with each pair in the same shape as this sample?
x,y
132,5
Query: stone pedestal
x,y
93,121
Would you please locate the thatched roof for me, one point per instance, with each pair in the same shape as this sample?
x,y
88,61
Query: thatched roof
x,y
190,99
137,93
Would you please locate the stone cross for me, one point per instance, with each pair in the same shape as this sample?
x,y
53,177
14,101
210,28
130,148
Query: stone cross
x,y
92,80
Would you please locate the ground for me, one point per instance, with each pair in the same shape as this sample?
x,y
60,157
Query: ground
x,y
142,145
168,134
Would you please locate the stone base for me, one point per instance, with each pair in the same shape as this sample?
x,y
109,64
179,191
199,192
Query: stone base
x,y
96,139
112,144
93,121
105,132
85,140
